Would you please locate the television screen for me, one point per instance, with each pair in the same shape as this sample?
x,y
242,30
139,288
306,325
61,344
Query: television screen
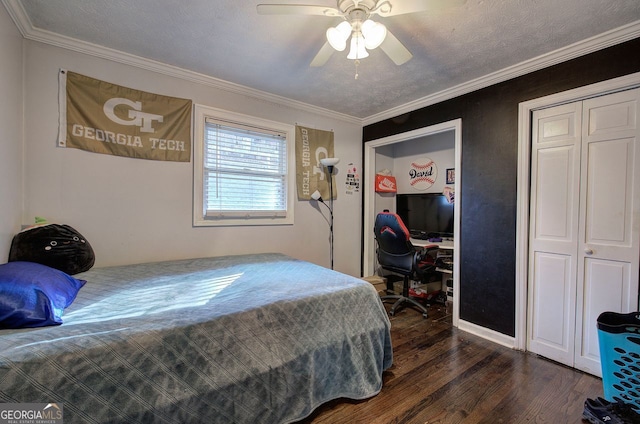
x,y
426,215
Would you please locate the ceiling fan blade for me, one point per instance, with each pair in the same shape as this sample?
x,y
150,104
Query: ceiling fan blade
x,y
395,49
412,6
323,55
297,9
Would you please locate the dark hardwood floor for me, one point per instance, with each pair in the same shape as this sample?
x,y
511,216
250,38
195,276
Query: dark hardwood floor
x,y
444,375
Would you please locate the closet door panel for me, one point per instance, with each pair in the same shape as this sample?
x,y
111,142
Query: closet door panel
x,y
609,241
552,315
610,184
553,233
605,285
605,118
555,214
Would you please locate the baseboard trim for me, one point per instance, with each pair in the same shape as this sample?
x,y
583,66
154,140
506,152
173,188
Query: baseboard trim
x,y
488,334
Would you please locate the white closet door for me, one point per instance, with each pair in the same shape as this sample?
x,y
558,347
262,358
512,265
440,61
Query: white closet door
x,y
608,253
555,179
584,239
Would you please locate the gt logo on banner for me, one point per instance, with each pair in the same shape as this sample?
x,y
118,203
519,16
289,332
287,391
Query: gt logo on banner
x,y
102,117
311,146
138,117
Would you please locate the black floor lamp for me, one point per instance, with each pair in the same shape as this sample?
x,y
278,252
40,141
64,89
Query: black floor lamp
x,y
329,163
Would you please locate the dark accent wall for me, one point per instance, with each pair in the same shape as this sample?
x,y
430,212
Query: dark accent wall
x,y
489,172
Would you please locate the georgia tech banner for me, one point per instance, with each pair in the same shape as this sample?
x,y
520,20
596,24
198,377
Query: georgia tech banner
x,y
101,117
311,146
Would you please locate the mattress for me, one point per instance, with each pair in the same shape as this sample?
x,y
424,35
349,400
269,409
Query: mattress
x,y
236,339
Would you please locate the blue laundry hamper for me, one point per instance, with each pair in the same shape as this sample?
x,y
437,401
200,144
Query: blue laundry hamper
x,y
619,339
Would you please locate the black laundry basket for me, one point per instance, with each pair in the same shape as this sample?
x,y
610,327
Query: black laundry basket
x,y
619,340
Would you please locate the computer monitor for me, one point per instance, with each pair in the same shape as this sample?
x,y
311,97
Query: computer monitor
x,y
426,215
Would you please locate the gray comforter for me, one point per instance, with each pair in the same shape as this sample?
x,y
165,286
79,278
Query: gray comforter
x,y
236,339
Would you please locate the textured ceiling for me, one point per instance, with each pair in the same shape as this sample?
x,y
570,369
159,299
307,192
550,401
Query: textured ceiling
x,y
228,40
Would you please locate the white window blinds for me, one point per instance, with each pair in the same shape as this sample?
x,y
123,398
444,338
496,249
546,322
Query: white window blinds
x,y
245,171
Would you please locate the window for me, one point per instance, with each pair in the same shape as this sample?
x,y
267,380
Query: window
x,y
241,170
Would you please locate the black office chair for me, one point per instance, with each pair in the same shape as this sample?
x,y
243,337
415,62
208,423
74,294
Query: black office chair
x,y
397,254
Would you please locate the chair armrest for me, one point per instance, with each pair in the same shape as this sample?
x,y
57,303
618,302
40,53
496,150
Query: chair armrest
x,y
430,247
426,250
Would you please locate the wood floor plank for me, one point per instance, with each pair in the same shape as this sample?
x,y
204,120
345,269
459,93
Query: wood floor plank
x,y
443,375
461,395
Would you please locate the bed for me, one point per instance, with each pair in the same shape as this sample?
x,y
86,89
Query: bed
x,y
236,339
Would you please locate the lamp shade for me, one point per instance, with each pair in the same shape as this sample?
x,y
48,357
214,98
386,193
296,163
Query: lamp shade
x,y
373,33
329,161
337,36
357,50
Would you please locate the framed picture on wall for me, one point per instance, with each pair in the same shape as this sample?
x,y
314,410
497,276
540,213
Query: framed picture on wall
x,y
451,175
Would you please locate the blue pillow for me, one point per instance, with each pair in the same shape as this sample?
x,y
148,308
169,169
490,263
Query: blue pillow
x,y
34,295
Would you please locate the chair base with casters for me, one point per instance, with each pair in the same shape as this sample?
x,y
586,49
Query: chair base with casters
x,y
402,300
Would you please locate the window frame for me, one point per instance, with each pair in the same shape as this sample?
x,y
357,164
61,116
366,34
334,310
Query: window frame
x,y
201,113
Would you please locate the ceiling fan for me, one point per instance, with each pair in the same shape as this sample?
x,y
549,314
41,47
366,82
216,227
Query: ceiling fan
x,y
364,32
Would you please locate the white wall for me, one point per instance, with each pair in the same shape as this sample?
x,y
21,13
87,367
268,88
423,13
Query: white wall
x,y
397,158
385,161
10,132
134,210
438,147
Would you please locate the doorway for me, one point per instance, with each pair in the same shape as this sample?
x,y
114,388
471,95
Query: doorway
x,y
524,240
369,196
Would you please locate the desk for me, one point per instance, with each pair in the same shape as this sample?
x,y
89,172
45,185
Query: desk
x,y
444,244
447,274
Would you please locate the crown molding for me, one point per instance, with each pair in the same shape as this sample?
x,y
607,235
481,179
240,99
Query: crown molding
x,y
29,32
589,45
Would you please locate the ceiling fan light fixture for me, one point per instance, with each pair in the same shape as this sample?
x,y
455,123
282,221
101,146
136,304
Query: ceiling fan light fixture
x,y
337,36
373,33
357,49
